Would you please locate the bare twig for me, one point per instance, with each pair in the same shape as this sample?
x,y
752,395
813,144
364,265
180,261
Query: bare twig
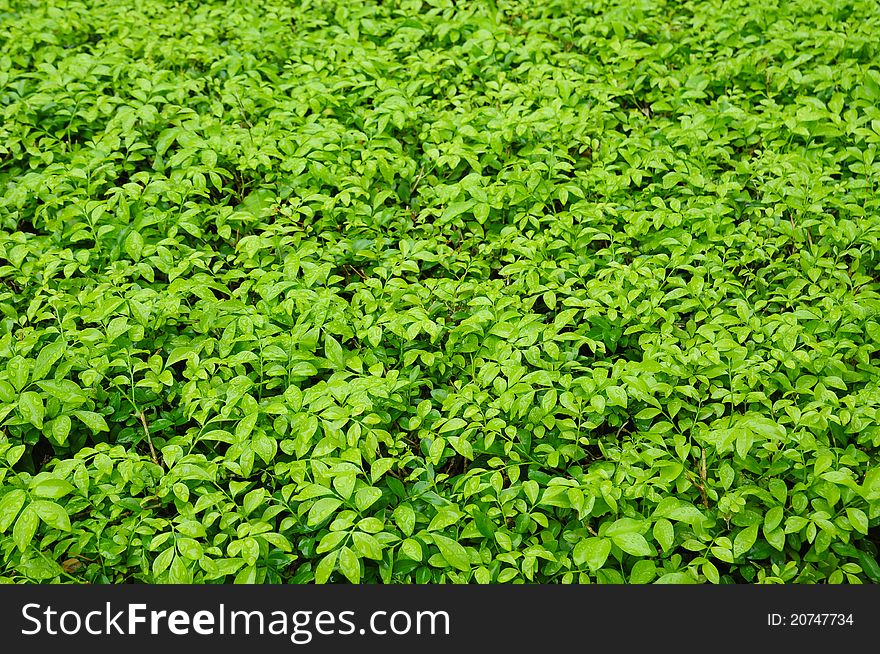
x,y
143,419
702,485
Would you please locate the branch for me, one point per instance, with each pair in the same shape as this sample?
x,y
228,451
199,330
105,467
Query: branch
x,y
140,414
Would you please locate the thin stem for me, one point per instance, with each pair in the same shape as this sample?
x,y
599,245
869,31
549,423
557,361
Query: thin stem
x,y
143,419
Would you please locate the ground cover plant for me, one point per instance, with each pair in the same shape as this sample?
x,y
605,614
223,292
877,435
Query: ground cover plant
x,y
426,291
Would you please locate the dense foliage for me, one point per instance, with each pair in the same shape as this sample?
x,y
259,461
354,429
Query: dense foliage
x,y
425,291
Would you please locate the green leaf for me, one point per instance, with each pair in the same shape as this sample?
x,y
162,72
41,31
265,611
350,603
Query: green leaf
x,y
411,549
445,517
47,357
870,566
592,552
265,447
616,396
14,454
331,541
452,425
10,505
405,518
366,497
744,540
349,564
18,370
643,572
776,537
92,420
711,572
30,405
53,488
178,573
25,528
334,352
676,578
367,545
322,509
59,428
344,484
163,561
325,567
454,553
379,467
633,543
134,245
858,520
52,514
189,548
674,509
664,534
778,489
773,517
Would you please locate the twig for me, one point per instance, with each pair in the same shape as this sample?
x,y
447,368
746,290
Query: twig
x,y
140,414
702,486
358,272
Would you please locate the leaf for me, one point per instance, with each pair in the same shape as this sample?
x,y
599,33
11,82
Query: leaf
x,y
744,540
643,572
265,447
325,567
411,549
18,370
59,428
344,484
53,488
773,517
92,420
47,357
331,541
366,497
445,517
616,396
592,552
322,509
624,526
462,447
452,425
858,520
178,573
711,572
134,245
664,534
674,509
776,538
367,545
454,553
870,566
744,441
64,390
334,352
676,578
349,564
14,454
405,518
10,505
52,514
163,561
379,467
189,548
632,543
30,405
25,528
